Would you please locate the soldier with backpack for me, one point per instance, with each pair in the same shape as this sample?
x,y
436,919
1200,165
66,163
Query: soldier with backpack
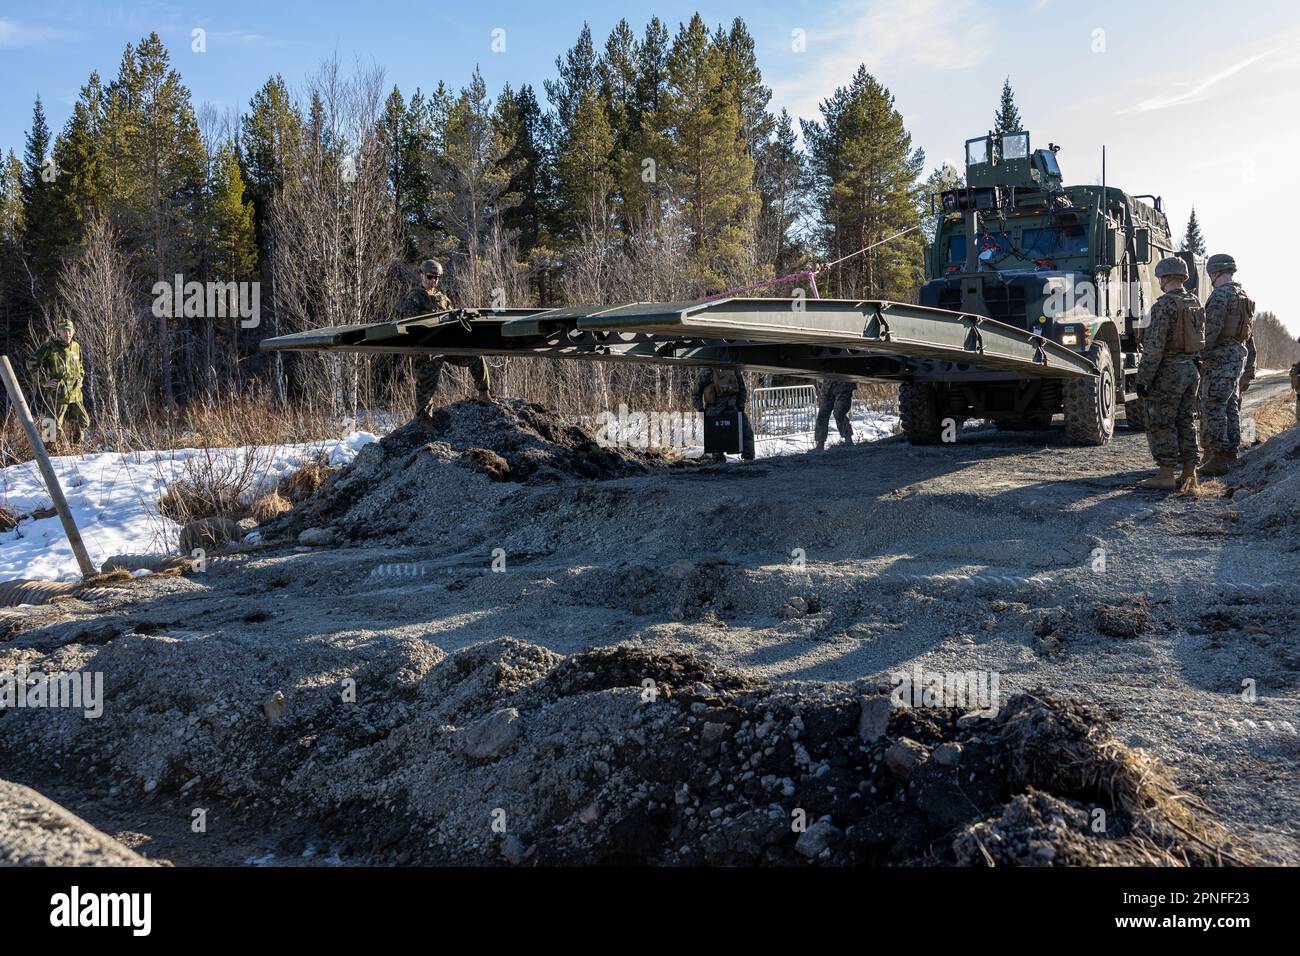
x,y
1167,379
723,390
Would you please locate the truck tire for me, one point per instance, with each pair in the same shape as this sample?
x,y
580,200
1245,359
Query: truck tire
x,y
1090,402
918,409
1135,413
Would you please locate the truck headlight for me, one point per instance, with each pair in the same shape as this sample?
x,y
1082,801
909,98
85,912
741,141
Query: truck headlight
x,y
1070,338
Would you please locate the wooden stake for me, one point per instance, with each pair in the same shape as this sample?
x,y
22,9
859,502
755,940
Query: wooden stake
x,y
47,469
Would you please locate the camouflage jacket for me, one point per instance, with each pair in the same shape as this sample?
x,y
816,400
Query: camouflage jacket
x,y
835,387
1161,333
420,302
1228,306
701,394
60,362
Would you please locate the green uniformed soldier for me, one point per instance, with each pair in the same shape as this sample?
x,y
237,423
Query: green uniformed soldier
x,y
1295,387
1167,379
428,368
723,390
834,395
1229,317
56,370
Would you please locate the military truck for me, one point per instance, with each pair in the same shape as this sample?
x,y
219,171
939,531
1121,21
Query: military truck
x,y
1074,264
1035,301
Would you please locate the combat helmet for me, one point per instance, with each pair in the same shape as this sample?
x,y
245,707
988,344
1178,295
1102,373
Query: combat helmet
x,y
431,267
1171,266
1220,262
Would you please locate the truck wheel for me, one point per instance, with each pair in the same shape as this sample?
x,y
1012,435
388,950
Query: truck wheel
x,y
1090,402
918,408
1135,412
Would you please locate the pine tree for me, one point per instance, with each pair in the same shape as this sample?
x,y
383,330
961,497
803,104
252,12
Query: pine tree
x,y
78,155
1007,118
271,137
585,164
783,188
1193,240
865,184
741,74
650,146
521,126
710,167
235,252
43,231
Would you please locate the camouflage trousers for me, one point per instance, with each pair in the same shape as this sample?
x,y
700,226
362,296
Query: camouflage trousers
x,y
840,403
1220,398
69,417
1171,412
428,371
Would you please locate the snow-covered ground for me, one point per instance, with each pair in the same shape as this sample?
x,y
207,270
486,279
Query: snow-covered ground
x,y
114,499
114,496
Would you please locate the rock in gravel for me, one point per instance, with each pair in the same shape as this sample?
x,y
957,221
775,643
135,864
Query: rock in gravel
x,y
489,736
513,850
903,758
316,537
874,720
273,707
209,534
947,754
711,737
816,838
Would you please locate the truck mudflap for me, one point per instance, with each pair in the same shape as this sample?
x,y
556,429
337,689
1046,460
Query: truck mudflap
x,y
866,340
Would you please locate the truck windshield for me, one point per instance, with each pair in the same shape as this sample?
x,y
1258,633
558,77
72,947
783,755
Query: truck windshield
x,y
998,242
1057,240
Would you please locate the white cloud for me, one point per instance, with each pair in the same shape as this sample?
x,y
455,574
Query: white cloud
x,y
887,36
14,35
1198,92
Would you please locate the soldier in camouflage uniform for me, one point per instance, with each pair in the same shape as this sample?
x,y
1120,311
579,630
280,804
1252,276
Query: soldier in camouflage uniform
x,y
1229,315
428,368
58,374
723,390
1167,379
834,395
1295,387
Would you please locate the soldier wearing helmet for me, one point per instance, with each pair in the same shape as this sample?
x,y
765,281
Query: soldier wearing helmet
x,y
1167,379
57,370
1229,317
428,368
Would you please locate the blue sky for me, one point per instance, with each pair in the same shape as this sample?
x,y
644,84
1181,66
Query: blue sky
x,y
1197,101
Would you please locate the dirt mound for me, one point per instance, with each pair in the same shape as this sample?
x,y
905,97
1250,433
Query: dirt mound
x,y
1267,483
509,753
419,481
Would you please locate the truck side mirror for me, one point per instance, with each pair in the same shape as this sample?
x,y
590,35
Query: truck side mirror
x,y
1142,239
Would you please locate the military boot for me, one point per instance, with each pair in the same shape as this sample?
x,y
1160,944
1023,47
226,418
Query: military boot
x,y
821,445
719,458
1162,480
484,396
1216,465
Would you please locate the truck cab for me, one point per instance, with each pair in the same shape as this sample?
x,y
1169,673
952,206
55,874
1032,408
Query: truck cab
x,y
1074,264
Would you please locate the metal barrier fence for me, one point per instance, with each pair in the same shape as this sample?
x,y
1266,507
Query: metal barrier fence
x,y
783,409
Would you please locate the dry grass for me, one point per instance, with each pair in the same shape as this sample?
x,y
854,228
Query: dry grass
x,y
269,506
1274,416
306,481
